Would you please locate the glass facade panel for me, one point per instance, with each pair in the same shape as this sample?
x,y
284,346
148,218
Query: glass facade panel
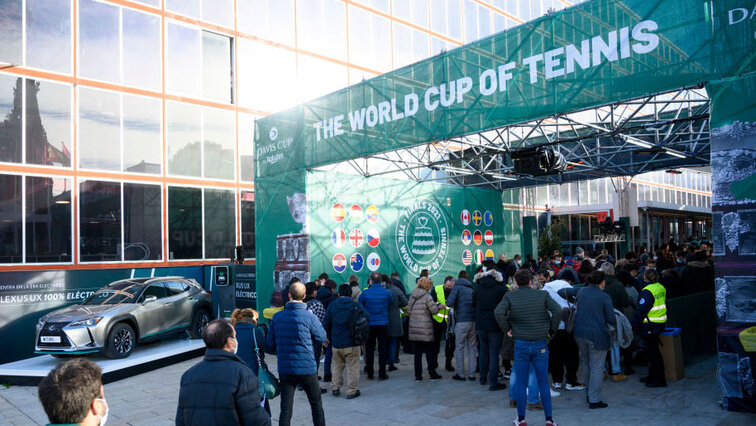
x,y
369,40
269,19
10,219
184,7
99,130
477,21
48,123
446,18
11,15
262,87
410,45
183,60
382,5
322,28
216,67
220,224
99,221
142,222
219,12
246,147
142,139
99,45
183,135
155,3
248,224
48,220
414,11
184,223
220,140
11,93
318,77
48,35
141,50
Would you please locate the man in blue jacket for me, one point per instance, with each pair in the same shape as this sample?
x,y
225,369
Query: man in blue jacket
x,y
376,299
221,389
337,323
291,335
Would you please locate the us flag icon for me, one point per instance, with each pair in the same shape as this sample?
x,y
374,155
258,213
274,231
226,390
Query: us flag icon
x,y
466,257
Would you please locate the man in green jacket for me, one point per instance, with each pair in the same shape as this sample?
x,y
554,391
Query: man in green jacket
x,y
530,316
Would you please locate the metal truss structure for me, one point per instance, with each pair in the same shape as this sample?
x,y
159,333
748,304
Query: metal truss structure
x,y
661,131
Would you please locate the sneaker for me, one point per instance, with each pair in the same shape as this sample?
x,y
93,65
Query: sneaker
x,y
600,404
498,386
507,373
435,376
557,385
354,395
535,407
554,393
458,377
619,377
551,423
519,423
501,377
574,386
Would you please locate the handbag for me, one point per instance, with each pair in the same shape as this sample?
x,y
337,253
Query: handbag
x,y
270,387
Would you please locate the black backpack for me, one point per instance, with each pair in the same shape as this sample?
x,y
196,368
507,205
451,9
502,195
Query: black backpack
x,y
359,325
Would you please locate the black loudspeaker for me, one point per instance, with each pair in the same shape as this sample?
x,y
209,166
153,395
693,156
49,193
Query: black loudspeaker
x,y
239,254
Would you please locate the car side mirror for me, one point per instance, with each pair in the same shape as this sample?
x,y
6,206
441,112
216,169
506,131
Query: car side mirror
x,y
149,299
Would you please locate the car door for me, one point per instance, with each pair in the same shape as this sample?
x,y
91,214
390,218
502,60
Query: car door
x,y
154,317
182,303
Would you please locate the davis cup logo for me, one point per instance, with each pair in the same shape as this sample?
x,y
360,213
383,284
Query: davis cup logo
x,y
465,216
273,133
422,236
373,262
356,262
339,263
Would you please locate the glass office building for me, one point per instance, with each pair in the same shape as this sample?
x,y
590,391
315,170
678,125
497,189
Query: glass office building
x,y
126,125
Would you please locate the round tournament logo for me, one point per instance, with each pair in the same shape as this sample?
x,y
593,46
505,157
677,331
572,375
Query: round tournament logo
x,y
422,236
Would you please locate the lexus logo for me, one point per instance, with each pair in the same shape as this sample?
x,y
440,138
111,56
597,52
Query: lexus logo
x,y
52,327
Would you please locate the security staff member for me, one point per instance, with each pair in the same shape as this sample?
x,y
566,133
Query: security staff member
x,y
440,322
650,320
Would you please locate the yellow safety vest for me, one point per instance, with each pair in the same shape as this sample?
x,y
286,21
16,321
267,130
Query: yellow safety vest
x,y
443,314
658,312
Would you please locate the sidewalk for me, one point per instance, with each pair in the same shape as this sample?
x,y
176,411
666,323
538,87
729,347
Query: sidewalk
x,y
151,398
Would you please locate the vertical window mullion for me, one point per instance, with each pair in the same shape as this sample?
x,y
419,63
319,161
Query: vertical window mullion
x,y
23,218
23,32
123,221
202,207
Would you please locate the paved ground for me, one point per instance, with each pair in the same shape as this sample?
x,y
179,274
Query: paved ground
x,y
150,399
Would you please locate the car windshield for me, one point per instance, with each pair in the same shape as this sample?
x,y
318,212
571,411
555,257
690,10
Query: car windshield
x,y
114,294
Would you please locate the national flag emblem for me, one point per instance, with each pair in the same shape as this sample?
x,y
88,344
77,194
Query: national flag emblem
x,y
338,237
466,237
488,218
489,254
356,262
465,216
356,238
466,257
372,214
373,261
339,263
373,238
478,256
476,217
338,212
355,213
488,237
477,237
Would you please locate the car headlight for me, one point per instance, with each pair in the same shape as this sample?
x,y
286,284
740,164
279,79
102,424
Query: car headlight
x,y
91,322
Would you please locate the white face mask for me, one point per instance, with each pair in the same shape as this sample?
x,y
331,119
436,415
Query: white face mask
x,y
104,419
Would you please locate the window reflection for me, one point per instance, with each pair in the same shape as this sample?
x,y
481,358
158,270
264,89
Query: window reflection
x,y
219,142
10,219
184,7
269,19
265,88
248,224
184,223
216,67
99,47
48,220
370,40
183,60
414,11
141,50
10,114
142,140
220,227
318,77
219,11
48,123
446,18
412,45
477,21
246,147
48,35
142,222
183,136
10,36
99,130
100,221
321,27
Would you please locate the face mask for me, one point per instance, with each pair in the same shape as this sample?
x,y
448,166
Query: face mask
x,y
679,261
557,262
104,418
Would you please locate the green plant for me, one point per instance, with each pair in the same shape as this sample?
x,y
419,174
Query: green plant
x,y
549,240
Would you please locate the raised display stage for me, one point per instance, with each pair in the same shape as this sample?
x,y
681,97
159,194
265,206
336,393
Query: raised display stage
x,y
146,357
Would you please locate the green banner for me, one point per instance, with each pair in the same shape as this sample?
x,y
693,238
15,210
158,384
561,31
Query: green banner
x,y
591,54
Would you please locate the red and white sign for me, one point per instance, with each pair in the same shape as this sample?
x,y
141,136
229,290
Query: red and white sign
x,y
488,237
356,238
465,216
355,213
338,212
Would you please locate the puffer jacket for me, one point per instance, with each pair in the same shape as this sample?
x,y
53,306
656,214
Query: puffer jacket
x,y
488,292
291,336
421,309
461,300
376,300
221,390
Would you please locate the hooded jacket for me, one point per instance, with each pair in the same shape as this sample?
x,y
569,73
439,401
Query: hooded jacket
x,y
488,292
421,309
461,300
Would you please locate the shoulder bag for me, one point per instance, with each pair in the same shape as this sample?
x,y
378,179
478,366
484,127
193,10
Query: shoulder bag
x,y
270,387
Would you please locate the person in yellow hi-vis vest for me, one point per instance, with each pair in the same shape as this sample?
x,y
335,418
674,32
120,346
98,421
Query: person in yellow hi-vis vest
x,y
650,320
440,322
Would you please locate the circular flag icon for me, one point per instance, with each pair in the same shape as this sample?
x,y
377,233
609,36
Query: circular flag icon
x,y
338,212
373,261
476,217
488,237
488,218
338,237
466,237
465,216
356,262
489,254
355,213
477,237
372,214
356,238
466,257
478,256
339,263
373,238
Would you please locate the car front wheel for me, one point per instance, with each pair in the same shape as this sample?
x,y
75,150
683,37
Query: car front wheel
x,y
200,320
121,341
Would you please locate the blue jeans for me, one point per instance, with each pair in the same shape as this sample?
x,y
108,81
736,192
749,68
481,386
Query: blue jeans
x,y
533,353
393,354
490,346
532,386
614,355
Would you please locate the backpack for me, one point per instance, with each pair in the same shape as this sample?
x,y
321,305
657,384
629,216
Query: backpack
x,y
568,315
359,325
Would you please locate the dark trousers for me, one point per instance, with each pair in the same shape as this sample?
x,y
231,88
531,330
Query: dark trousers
x,y
311,387
655,360
418,349
317,348
327,361
378,335
563,354
439,333
490,347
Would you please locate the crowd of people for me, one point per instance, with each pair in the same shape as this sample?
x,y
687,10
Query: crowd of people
x,y
535,323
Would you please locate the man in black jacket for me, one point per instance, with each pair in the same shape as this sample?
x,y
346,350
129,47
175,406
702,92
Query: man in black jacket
x,y
221,389
488,292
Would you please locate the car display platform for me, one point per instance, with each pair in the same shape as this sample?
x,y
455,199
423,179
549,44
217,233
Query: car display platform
x,y
146,357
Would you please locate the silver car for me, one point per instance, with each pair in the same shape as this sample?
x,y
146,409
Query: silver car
x,y
118,316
